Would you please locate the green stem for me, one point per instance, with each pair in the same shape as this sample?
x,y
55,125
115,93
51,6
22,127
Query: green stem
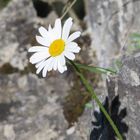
x,y
90,90
67,10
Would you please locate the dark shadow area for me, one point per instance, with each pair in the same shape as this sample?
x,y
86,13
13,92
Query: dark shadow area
x,y
58,7
8,69
42,8
102,130
79,9
5,109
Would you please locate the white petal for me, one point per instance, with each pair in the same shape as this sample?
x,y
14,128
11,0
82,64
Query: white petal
x,y
55,64
69,55
73,36
58,28
61,68
51,63
44,33
50,28
37,49
43,41
42,65
72,47
45,63
52,34
62,59
65,68
66,28
44,73
39,56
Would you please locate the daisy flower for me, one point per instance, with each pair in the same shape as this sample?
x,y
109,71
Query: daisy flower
x,y
56,45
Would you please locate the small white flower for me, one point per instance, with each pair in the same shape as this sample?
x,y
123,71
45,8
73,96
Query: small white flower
x,y
57,44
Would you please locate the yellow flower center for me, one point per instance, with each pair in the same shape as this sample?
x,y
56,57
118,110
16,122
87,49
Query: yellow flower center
x,y
56,47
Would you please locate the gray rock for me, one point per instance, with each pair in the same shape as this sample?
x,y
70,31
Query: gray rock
x,y
16,27
35,111
9,132
110,22
127,85
31,108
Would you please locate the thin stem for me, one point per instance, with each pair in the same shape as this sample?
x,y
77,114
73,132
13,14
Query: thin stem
x,y
94,96
67,10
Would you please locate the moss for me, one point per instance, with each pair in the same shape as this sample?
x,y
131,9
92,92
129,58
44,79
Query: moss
x,y
74,103
30,68
78,97
8,69
3,3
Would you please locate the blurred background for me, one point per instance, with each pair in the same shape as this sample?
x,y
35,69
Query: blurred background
x,y
58,107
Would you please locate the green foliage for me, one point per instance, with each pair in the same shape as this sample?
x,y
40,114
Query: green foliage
x,y
95,69
135,36
134,45
89,105
117,64
134,42
3,3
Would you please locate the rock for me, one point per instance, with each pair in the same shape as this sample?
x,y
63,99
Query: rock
x,y
110,22
127,85
16,27
36,111
70,130
31,108
9,132
7,53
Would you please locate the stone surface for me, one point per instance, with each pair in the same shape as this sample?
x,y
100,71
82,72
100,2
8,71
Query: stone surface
x,y
14,36
110,22
127,85
9,132
32,108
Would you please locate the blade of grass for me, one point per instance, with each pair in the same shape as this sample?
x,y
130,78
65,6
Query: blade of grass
x,y
67,10
95,69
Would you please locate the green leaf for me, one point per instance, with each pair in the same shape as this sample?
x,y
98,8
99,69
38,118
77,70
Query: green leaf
x,y
95,69
135,36
89,105
118,63
137,46
135,42
3,3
